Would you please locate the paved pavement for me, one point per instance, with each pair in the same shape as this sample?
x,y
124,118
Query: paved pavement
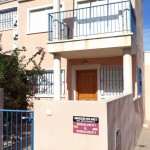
x,y
144,140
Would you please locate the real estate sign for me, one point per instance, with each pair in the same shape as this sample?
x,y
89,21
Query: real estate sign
x,y
86,125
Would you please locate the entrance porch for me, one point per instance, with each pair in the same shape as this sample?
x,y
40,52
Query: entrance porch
x,y
97,78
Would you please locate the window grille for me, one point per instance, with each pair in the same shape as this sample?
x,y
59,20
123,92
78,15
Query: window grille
x,y
44,84
111,80
7,18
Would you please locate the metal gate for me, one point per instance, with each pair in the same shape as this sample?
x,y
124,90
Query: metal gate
x,y
16,129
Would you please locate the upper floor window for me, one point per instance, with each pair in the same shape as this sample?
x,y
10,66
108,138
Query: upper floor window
x,y
38,19
7,17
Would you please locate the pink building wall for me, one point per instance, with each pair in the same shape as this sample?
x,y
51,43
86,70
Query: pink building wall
x,y
56,130
65,110
126,115
147,88
7,35
32,40
55,121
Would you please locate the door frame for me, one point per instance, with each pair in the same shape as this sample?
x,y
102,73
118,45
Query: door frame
x,y
85,67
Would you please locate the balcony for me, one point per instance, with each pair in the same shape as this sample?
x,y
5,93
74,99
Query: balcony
x,y
95,22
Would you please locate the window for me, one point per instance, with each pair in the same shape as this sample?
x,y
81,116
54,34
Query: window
x,y
139,81
7,18
111,80
44,84
38,19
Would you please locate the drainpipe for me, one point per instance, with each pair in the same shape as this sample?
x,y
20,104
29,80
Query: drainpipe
x,y
56,5
56,19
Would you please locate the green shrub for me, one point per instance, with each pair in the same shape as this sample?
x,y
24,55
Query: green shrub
x,y
14,76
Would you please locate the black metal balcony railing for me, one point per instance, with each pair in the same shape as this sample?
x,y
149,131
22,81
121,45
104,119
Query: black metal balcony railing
x,y
101,19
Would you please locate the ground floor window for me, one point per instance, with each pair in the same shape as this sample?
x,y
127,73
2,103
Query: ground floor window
x,y
111,80
139,81
44,84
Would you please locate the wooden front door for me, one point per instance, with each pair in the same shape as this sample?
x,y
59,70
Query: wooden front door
x,y
86,85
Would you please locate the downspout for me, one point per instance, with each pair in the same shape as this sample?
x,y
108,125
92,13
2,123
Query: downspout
x,y
56,5
57,19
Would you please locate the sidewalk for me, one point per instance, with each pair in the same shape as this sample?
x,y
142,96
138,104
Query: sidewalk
x,y
144,140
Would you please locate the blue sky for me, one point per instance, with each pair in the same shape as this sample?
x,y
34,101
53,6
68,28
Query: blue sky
x,y
146,25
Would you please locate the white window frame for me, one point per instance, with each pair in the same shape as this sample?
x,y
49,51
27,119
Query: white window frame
x,y
36,8
5,9
52,95
114,93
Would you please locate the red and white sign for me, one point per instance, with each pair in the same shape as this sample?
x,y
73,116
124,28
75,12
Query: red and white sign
x,y
86,125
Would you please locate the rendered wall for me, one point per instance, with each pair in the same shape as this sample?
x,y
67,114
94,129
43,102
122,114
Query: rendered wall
x,y
7,35
32,40
126,115
56,132
140,51
147,87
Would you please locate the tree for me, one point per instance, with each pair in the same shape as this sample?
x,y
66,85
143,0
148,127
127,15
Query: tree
x,y
14,77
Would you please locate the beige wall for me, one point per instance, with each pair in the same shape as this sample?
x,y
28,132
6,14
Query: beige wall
x,y
7,35
126,115
147,87
56,131
6,40
32,40
140,51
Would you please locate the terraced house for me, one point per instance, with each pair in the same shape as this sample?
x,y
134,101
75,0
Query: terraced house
x,y
94,68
